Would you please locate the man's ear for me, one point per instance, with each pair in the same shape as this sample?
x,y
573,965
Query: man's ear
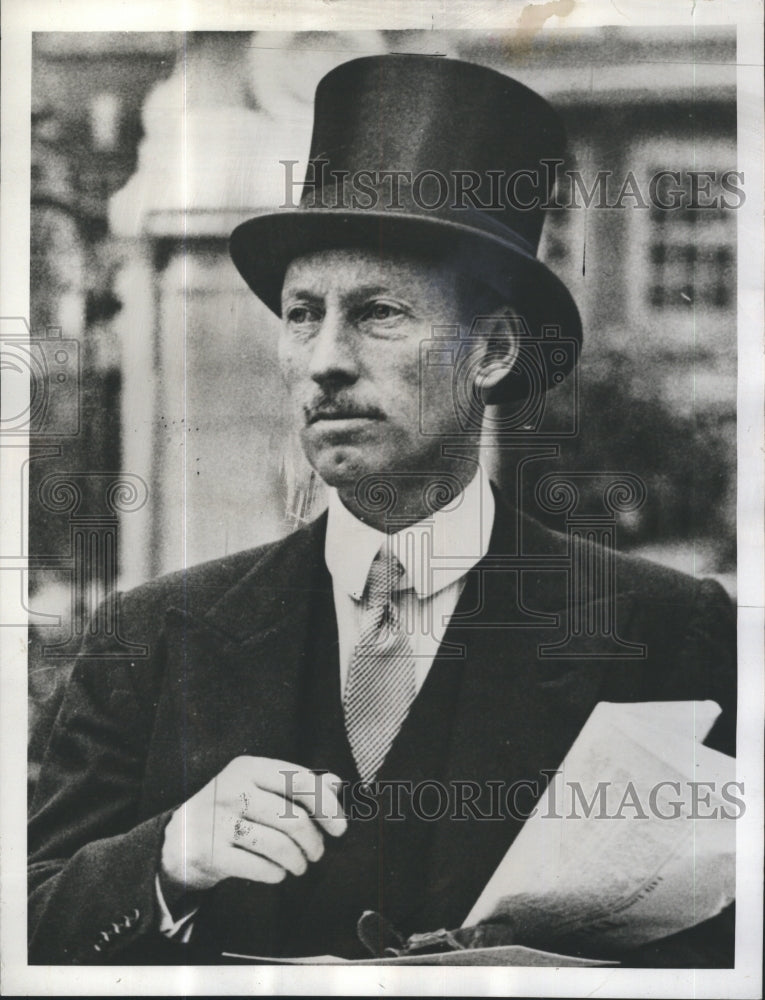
x,y
498,333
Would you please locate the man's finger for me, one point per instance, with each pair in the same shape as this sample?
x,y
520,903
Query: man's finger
x,y
288,817
323,805
253,867
317,793
270,843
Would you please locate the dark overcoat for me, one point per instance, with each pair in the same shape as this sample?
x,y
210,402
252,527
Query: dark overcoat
x,y
227,644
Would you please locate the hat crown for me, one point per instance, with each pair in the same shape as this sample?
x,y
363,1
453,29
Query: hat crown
x,y
433,121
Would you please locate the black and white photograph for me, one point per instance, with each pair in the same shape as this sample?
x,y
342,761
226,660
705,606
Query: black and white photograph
x,y
382,546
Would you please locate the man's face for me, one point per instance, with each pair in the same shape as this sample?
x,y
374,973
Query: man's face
x,y
349,349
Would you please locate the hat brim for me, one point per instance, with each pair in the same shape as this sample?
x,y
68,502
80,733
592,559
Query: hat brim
x,y
263,247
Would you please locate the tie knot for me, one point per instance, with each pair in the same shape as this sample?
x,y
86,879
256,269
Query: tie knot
x,y
384,574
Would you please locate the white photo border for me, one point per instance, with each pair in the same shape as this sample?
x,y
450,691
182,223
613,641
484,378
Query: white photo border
x,y
20,18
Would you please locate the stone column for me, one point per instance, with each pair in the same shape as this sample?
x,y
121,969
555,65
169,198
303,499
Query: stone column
x,y
203,419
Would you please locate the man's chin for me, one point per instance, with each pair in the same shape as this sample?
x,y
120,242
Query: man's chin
x,y
342,467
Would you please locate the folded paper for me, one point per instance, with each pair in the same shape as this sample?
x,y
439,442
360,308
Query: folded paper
x,y
633,840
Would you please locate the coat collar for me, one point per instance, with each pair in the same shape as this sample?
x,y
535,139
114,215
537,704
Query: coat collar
x,y
278,590
275,593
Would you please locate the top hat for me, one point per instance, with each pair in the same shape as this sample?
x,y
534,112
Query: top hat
x,y
420,154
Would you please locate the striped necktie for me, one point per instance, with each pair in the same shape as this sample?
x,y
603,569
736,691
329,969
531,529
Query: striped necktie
x,y
380,687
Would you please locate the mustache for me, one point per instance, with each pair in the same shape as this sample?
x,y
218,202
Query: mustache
x,y
330,407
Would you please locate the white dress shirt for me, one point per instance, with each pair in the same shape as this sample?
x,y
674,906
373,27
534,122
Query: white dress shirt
x,y
436,553
168,925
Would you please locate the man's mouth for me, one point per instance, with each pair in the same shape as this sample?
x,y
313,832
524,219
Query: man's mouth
x,y
314,416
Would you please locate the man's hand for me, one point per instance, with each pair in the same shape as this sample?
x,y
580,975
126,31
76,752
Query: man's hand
x,y
258,819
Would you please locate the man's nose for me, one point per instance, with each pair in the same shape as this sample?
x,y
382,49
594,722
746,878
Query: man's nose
x,y
333,359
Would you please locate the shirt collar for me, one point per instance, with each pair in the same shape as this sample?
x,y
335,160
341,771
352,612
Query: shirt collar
x,y
434,552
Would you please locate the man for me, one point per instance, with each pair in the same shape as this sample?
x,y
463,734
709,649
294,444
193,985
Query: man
x,y
258,780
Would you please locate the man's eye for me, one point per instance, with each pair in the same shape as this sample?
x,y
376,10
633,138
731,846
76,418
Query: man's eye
x,y
382,311
300,315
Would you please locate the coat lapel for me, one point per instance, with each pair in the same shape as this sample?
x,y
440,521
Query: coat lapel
x,y
233,672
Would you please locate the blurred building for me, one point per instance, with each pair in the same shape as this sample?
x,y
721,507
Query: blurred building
x,y
147,148
166,141
87,95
